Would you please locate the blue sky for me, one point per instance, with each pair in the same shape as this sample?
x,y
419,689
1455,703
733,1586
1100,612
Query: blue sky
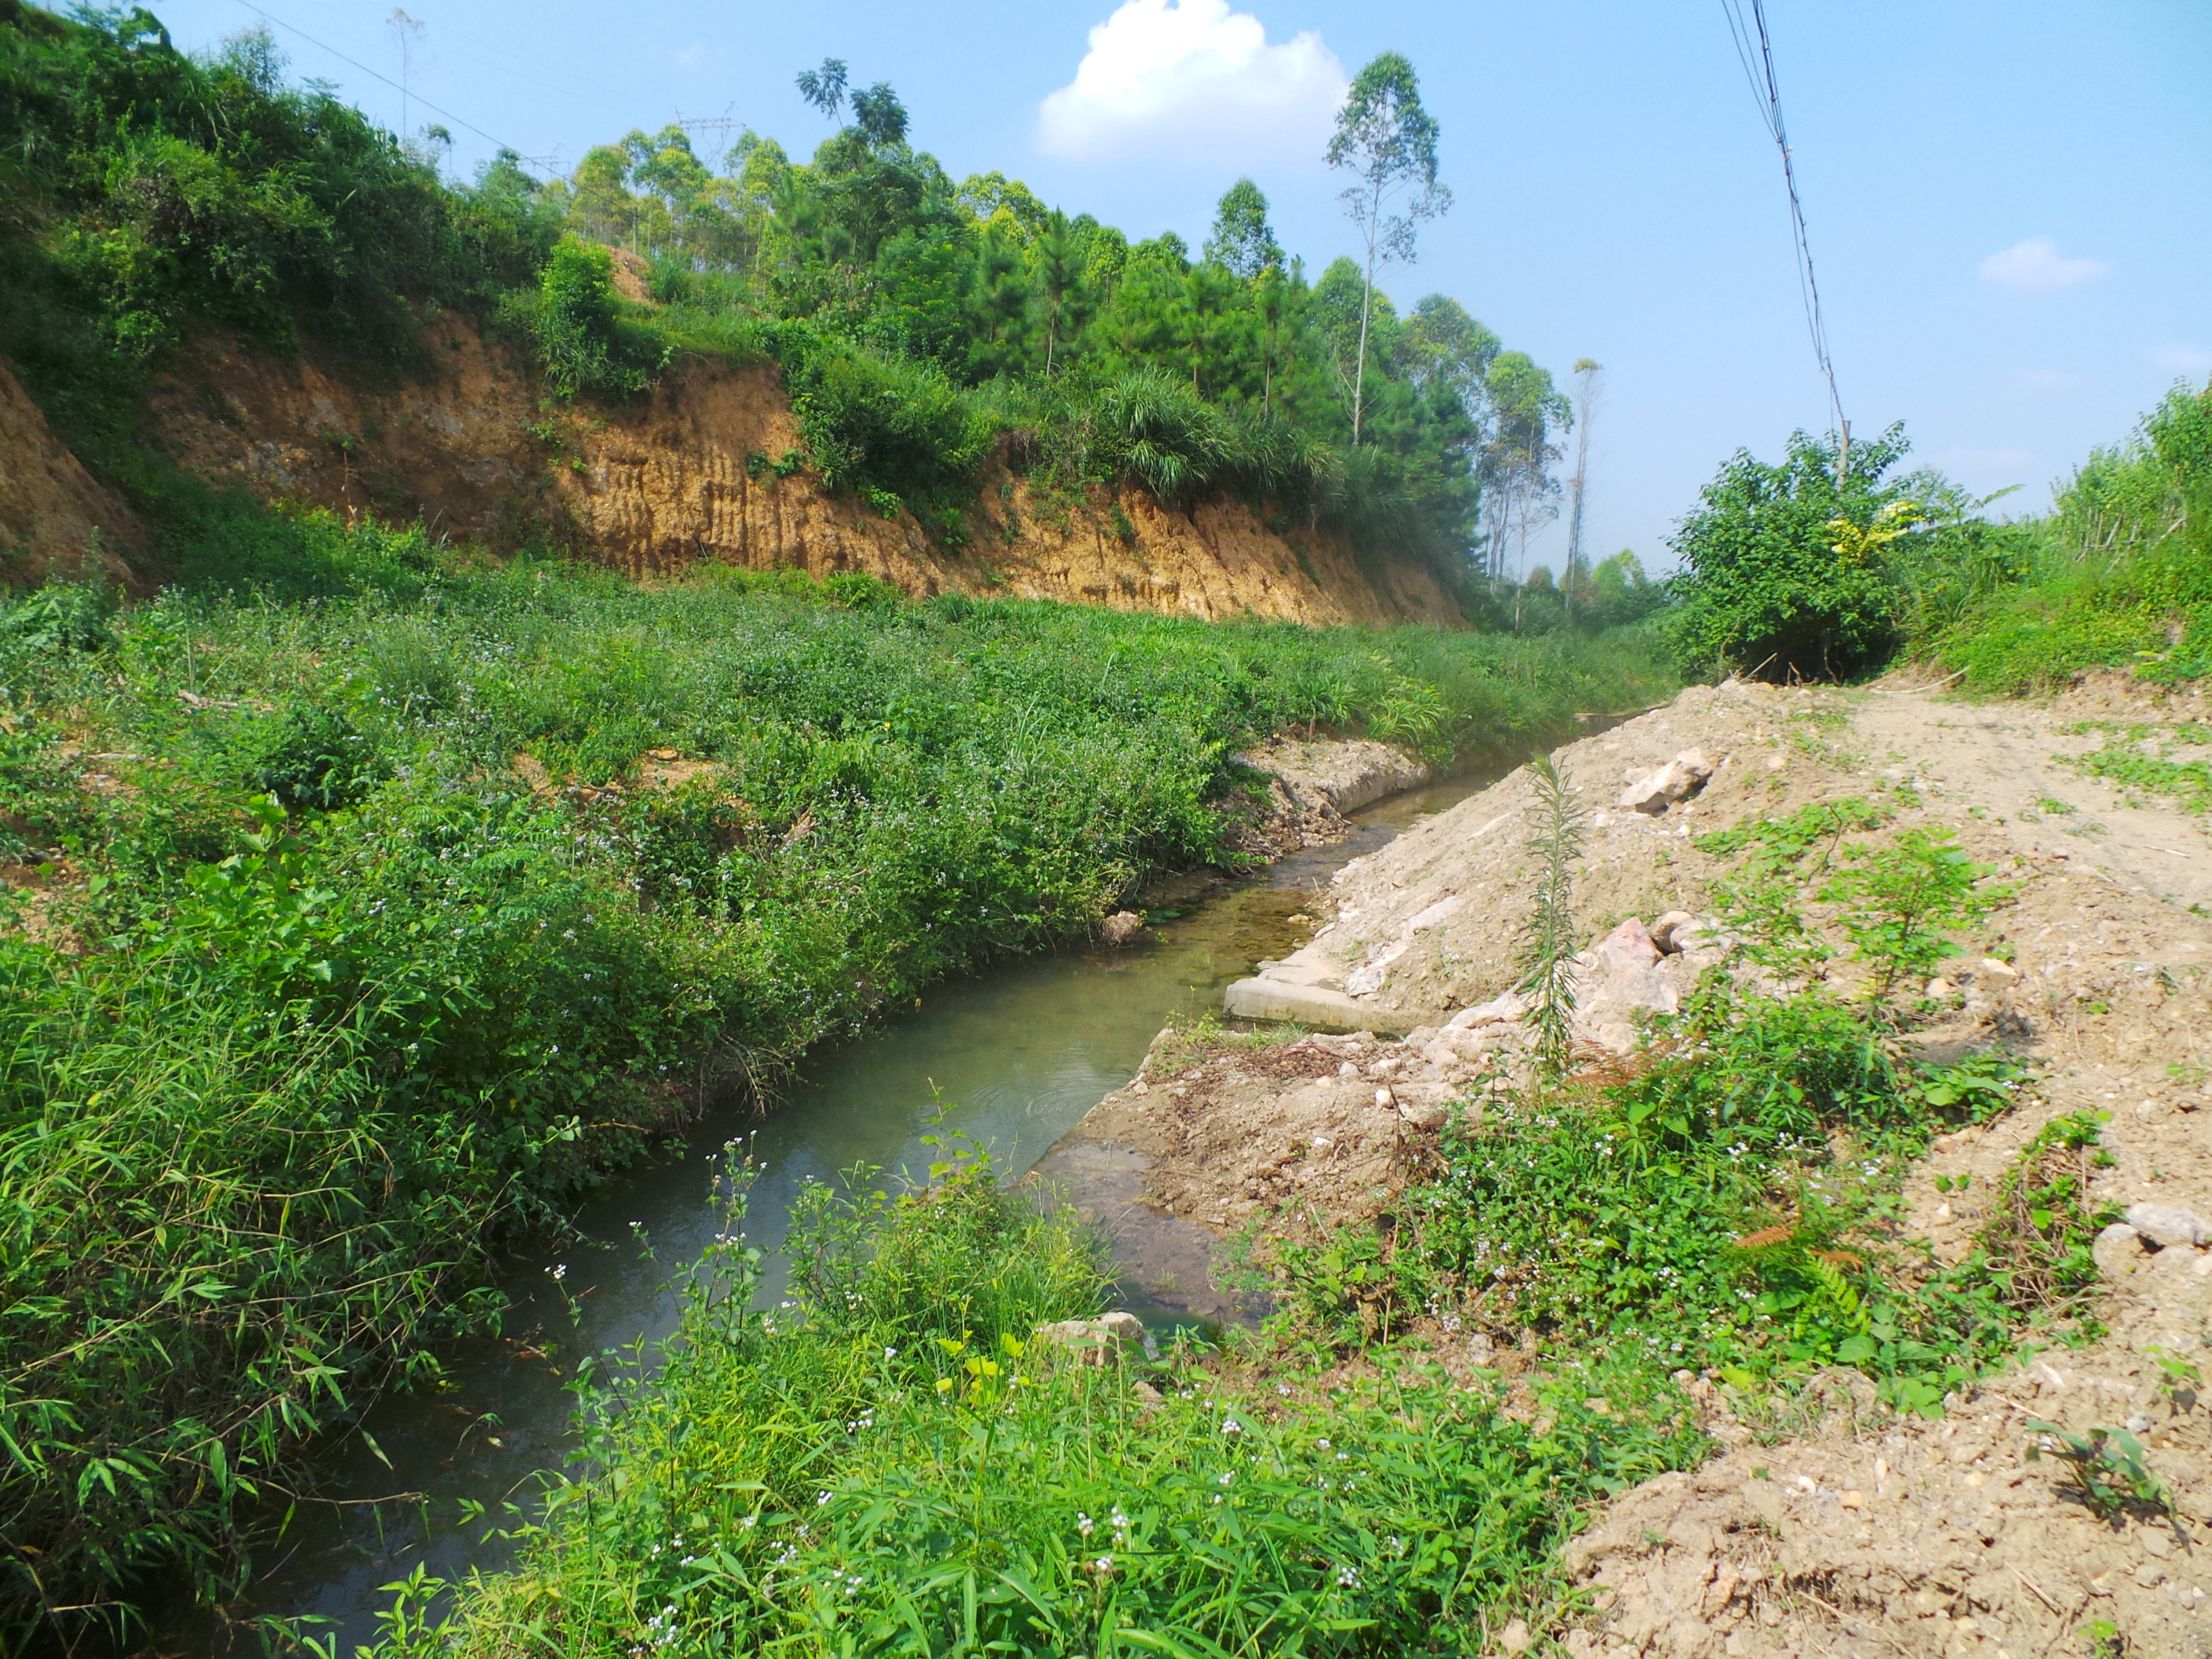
x,y
2010,204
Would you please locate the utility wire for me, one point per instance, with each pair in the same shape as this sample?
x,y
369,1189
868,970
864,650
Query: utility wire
x,y
403,91
1754,50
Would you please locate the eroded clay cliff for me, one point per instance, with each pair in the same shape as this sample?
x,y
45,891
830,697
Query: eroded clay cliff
x,y
55,518
682,476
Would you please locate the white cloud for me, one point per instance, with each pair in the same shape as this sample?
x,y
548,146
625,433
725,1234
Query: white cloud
x,y
1191,78
2034,266
2180,360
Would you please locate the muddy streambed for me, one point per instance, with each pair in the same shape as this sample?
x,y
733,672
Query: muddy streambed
x,y
1012,1059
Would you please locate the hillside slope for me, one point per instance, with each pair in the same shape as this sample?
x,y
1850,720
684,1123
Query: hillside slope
x,y
690,473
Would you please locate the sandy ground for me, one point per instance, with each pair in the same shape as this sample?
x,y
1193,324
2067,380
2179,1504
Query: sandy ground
x,y
1853,1532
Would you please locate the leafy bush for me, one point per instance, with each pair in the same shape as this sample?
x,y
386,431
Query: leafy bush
x,y
1901,902
873,421
583,344
163,193
1777,577
2118,574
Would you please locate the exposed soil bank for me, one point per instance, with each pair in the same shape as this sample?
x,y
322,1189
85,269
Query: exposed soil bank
x,y
1855,1532
699,469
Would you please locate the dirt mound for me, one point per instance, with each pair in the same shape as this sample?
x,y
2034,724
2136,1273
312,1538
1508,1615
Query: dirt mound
x,y
1849,1530
704,469
55,519
1311,786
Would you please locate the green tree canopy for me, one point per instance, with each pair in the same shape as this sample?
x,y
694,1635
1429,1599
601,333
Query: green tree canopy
x,y
1387,143
1243,242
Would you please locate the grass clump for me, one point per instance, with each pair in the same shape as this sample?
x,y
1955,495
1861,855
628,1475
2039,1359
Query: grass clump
x,y
896,1462
367,901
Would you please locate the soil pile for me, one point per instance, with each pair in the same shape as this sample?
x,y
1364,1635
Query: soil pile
x,y
1849,1530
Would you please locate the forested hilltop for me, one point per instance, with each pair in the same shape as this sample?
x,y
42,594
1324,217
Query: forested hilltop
x,y
925,327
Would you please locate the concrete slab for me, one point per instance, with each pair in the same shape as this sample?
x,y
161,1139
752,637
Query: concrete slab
x,y
1266,998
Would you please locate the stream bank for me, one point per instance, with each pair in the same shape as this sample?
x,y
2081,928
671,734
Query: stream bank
x,y
1012,1059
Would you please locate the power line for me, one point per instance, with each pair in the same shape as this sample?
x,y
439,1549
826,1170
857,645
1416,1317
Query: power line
x,y
404,92
1754,50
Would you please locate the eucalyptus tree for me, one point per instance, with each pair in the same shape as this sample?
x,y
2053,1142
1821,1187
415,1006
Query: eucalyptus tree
x,y
1525,408
1586,371
1387,143
880,116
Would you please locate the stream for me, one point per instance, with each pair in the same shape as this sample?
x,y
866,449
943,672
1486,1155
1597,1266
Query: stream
x,y
1012,1057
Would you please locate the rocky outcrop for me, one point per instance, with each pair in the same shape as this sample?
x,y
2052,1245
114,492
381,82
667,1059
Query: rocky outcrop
x,y
705,469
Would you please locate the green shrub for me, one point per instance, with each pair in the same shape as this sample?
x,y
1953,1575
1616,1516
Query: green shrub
x,y
2118,574
876,422
1777,579
584,346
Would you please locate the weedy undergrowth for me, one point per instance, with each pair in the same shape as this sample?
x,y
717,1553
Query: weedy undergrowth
x,y
2108,1467
1727,1198
373,900
895,1462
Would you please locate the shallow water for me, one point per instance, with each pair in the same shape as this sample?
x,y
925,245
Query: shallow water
x,y
1012,1058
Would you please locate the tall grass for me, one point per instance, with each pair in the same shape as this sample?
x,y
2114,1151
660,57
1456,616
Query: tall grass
x,y
2118,574
367,901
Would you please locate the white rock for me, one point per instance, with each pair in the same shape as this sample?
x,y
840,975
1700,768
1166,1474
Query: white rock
x,y
1436,913
1121,927
1094,1341
2002,973
1654,791
2119,1250
1664,930
1507,1005
1627,947
2165,1225
1451,1045
1678,779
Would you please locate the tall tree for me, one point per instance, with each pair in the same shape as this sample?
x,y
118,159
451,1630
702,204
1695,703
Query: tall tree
x,y
880,116
1387,143
1586,371
1525,406
1056,259
825,87
1244,241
